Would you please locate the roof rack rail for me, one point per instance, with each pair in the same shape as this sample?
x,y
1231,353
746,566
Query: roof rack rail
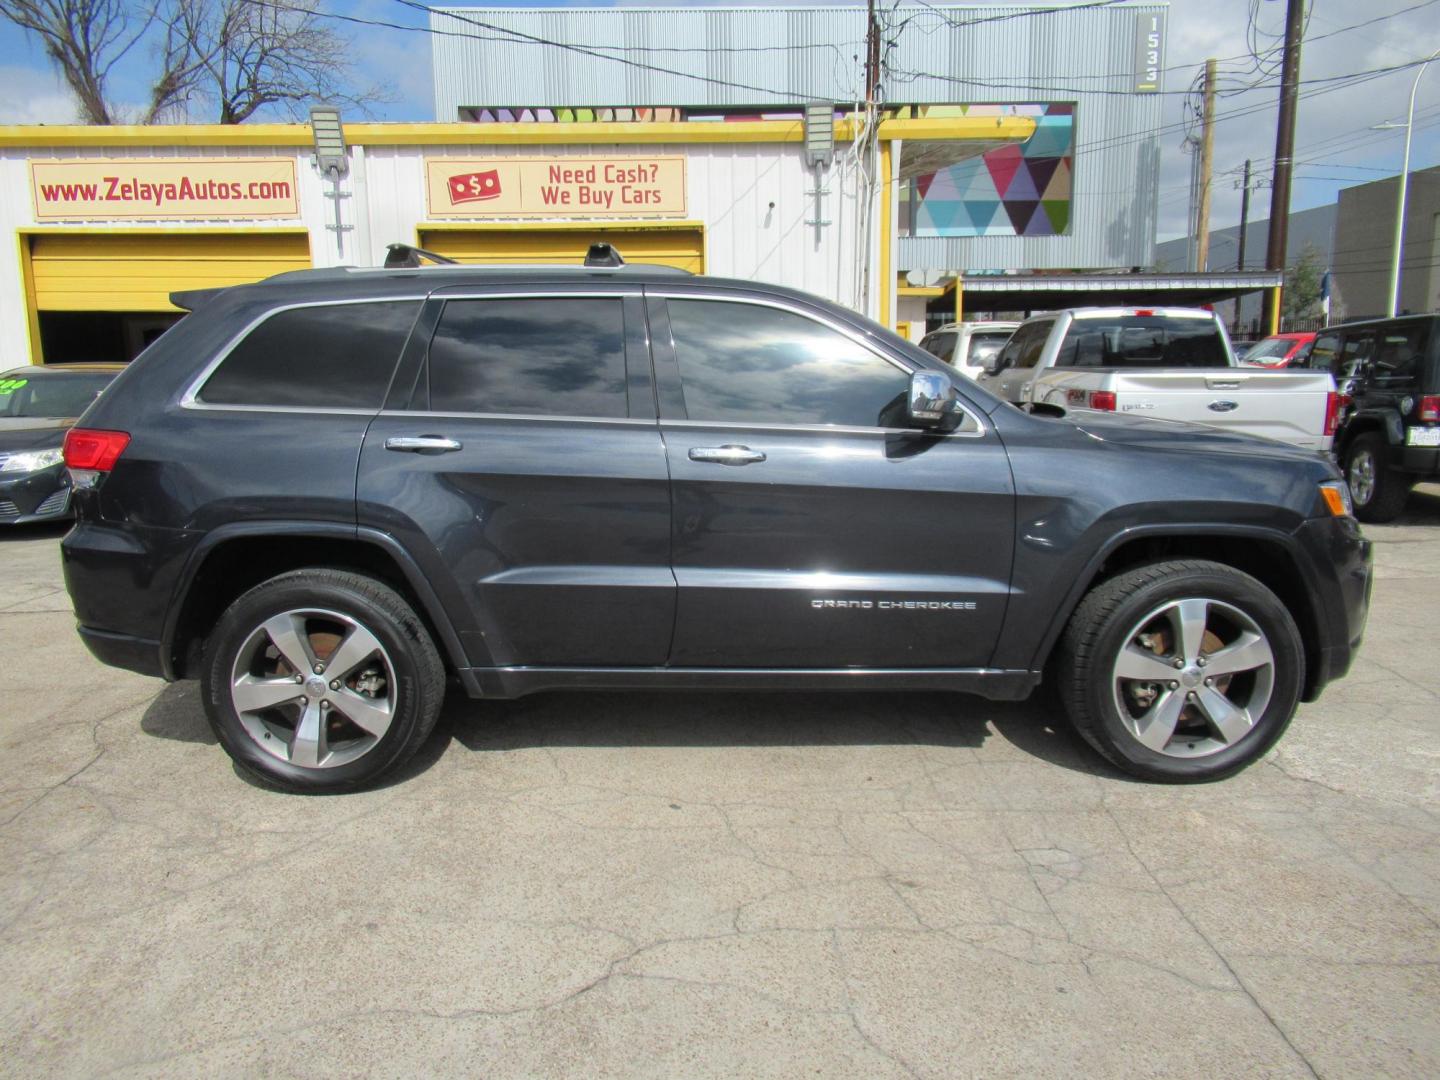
x,y
408,256
603,255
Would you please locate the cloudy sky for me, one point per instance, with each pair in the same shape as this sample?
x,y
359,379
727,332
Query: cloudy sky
x,y
1335,143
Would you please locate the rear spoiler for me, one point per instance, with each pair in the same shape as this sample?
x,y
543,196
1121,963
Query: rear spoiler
x,y
190,299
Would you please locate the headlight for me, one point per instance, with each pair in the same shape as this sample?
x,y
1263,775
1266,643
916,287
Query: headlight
x,y
32,460
1336,494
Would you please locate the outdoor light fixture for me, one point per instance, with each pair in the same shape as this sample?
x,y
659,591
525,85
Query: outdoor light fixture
x,y
819,134
329,134
333,163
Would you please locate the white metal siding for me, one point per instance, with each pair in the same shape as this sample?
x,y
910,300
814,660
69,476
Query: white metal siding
x,y
1084,55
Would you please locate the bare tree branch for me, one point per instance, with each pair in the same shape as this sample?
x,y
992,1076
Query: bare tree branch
x,y
235,57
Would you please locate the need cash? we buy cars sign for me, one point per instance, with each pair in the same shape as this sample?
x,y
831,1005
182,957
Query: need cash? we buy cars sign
x,y
556,187
157,189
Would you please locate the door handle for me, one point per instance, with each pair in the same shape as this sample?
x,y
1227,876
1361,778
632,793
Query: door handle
x,y
726,455
422,444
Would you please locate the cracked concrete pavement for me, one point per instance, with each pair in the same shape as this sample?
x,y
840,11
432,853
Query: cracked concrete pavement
x,y
701,885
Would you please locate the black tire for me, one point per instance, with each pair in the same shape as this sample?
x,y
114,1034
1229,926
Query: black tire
x,y
1101,627
414,694
1384,499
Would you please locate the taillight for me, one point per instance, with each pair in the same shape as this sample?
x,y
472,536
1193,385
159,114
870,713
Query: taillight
x,y
94,451
1430,407
1104,400
1332,412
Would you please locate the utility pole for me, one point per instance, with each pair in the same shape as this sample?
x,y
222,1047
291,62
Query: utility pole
x,y
1284,153
872,55
1244,224
1207,150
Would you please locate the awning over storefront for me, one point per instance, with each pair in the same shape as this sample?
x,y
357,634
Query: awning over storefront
x,y
1047,292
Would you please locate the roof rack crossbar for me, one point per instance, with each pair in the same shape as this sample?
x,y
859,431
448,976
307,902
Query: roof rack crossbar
x,y
408,256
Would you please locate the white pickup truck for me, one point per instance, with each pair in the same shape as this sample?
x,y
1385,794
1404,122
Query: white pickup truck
x,y
1161,363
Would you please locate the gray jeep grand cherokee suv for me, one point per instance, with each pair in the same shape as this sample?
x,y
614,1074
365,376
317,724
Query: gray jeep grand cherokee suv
x,y
324,493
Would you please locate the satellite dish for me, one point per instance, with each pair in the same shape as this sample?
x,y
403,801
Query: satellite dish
x,y
925,279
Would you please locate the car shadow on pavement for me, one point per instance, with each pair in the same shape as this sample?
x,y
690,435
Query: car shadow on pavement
x,y
747,719
177,713
739,719
1423,506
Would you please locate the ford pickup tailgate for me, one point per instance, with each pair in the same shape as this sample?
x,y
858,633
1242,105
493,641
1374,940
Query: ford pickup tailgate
x,y
1289,406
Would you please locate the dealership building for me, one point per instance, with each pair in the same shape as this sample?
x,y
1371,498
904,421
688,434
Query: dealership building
x,y
1002,143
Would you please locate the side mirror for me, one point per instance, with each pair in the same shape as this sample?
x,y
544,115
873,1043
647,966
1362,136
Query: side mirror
x,y
991,365
933,403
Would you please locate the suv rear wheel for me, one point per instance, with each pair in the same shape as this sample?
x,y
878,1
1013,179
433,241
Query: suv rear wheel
x,y
321,681
1378,491
1181,671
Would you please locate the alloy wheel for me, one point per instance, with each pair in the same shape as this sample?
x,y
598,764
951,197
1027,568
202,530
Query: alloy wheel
x,y
313,688
1362,477
1193,677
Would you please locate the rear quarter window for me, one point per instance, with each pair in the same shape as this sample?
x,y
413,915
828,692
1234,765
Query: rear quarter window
x,y
325,356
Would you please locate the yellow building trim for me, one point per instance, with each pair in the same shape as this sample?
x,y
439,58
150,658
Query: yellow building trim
x,y
959,299
982,128
668,243
558,226
1272,309
887,230
125,228
135,271
919,290
32,312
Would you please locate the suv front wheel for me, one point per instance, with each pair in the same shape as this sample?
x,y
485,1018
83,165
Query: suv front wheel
x,y
1181,671
321,681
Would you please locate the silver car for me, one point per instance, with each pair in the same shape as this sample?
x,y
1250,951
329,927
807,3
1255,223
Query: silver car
x,y
967,346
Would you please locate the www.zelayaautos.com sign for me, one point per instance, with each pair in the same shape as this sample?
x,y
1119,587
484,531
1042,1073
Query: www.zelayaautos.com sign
x,y
155,189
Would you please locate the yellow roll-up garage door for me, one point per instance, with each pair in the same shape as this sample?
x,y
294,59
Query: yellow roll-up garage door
x,y
681,246
129,272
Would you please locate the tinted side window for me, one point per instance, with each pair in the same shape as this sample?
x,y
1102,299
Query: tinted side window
x,y
1397,360
1357,350
325,357
556,356
1324,351
1025,345
744,363
941,345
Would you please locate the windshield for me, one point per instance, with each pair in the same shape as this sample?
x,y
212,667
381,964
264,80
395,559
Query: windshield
x,y
1144,341
49,394
1270,347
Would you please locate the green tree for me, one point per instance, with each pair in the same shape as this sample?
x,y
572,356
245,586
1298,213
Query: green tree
x,y
1302,286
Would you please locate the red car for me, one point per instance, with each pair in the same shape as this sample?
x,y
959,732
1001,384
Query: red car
x,y
1278,350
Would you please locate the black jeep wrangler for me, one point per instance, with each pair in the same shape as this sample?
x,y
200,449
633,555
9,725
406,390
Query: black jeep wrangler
x,y
1388,371
326,493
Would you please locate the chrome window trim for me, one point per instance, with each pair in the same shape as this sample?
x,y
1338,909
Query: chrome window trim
x,y
831,429
190,399
830,324
565,417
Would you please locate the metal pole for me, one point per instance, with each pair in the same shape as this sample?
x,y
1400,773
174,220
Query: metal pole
x,y
1275,254
1404,191
1207,150
1244,224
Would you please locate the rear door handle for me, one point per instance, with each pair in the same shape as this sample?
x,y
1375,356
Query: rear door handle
x,y
726,455
422,444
